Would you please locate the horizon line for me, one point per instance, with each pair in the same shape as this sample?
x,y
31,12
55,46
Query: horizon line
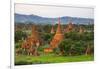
x,y
53,17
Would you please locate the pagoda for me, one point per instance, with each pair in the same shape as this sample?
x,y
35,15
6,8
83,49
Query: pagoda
x,y
57,37
81,30
52,30
32,42
69,27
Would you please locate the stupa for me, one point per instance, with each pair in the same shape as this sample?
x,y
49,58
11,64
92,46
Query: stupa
x,y
57,37
69,27
81,30
32,42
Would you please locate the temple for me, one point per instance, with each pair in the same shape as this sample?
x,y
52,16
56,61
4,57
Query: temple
x,y
70,27
58,37
32,42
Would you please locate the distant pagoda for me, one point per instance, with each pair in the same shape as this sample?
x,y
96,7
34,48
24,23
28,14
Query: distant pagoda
x,y
70,27
58,37
52,30
32,42
81,30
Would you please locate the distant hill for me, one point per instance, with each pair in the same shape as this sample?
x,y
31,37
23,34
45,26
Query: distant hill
x,y
21,18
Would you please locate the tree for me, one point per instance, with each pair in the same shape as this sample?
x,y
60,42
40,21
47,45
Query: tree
x,y
47,37
79,47
70,47
19,35
65,47
72,35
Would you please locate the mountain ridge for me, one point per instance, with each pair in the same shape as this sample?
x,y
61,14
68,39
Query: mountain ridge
x,y
22,18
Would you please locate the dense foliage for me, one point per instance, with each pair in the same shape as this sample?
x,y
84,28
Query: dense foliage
x,y
77,44
73,43
20,35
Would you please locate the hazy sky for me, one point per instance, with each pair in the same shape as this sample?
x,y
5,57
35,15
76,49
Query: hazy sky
x,y
54,11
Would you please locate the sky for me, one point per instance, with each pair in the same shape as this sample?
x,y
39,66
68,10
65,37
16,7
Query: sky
x,y
54,11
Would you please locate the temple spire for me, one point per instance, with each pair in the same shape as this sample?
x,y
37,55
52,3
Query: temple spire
x,y
52,29
70,26
59,27
59,20
57,37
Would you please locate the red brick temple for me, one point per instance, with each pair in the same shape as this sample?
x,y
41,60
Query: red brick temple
x,y
58,37
32,42
70,27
